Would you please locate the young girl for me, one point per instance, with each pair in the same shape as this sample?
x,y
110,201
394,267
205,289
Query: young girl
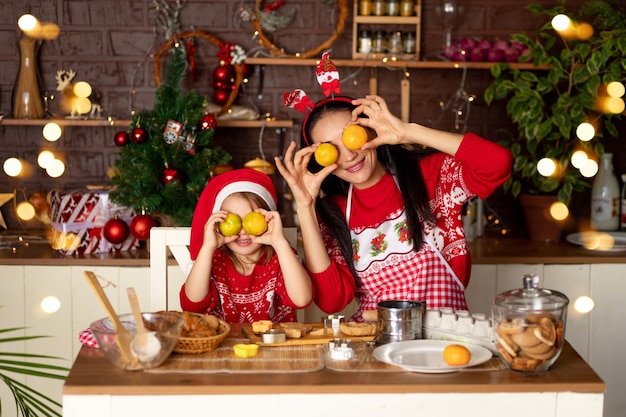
x,y
240,278
384,221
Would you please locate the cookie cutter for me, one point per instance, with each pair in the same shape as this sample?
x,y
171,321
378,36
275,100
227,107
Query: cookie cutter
x,y
333,321
340,349
274,336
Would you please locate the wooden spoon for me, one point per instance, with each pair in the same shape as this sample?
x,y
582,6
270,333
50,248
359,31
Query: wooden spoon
x,y
145,345
120,330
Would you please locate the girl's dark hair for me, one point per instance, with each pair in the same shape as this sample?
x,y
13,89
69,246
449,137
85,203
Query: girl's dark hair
x,y
399,161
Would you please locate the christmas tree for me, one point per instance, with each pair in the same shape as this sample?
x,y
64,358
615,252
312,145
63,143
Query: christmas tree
x,y
168,152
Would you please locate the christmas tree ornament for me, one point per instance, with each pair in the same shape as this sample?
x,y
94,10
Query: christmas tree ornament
x,y
115,231
208,121
223,73
138,135
171,174
247,70
121,138
172,131
220,96
140,226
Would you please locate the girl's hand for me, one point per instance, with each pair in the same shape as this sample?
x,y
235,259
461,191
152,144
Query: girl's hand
x,y
274,231
304,185
213,239
390,129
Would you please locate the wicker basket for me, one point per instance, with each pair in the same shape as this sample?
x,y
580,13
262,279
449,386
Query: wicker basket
x,y
202,344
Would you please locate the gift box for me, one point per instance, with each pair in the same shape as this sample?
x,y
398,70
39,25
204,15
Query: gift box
x,y
77,218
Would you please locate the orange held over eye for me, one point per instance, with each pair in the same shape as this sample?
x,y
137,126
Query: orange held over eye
x,y
456,355
231,226
354,137
254,223
326,154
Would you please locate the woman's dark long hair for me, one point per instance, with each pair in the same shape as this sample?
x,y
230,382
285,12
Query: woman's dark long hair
x,y
399,161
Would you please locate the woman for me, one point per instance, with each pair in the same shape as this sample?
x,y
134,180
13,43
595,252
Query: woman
x,y
384,221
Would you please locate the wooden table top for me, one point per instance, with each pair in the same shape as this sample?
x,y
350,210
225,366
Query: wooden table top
x,y
92,374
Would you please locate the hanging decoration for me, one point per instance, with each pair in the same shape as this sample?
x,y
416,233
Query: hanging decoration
x,y
271,20
235,57
140,226
257,20
168,17
115,231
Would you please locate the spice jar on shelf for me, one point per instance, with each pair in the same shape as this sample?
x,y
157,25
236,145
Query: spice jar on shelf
x,y
380,7
406,8
378,41
393,7
408,44
395,42
365,41
365,7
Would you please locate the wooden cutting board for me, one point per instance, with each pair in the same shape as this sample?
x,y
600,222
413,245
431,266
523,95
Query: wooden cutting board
x,y
309,339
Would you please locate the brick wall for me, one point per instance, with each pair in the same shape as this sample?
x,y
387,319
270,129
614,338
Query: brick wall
x,y
112,43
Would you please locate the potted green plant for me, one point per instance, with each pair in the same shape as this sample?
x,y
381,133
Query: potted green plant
x,y
29,401
547,105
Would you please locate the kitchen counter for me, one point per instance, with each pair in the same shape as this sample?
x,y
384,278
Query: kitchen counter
x,y
485,250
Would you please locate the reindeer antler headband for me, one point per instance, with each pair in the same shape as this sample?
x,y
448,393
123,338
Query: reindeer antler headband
x,y
328,78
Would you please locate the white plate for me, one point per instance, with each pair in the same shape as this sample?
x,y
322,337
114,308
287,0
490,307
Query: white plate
x,y
426,356
599,241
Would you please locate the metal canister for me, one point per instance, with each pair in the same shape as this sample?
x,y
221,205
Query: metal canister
x,y
400,320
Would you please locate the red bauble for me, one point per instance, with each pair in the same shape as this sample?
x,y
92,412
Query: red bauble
x,y
138,135
171,174
221,85
247,70
207,122
121,138
115,231
223,73
220,96
140,226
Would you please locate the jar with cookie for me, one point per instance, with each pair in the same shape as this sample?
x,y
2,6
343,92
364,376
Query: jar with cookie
x,y
529,326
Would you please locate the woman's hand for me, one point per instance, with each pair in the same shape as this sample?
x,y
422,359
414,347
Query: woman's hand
x,y
304,186
390,129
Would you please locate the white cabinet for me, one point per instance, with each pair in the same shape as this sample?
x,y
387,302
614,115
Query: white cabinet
x,y
598,336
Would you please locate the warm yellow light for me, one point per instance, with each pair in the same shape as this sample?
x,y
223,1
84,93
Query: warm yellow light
x,y
589,169
25,210
52,132
50,304
584,304
584,31
546,167
45,158
615,89
585,131
579,158
82,89
12,167
27,22
559,211
561,22
598,241
82,105
610,105
56,168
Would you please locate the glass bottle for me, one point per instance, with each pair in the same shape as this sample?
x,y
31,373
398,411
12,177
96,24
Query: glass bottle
x,y
393,7
378,41
623,208
365,7
380,7
605,196
406,8
27,97
365,41
409,43
395,42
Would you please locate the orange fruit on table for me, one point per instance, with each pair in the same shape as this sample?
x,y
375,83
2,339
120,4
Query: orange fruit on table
x,y
254,223
326,154
456,355
354,137
231,226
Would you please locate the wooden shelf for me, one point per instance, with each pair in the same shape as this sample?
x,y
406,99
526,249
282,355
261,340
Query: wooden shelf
x,y
385,60
125,123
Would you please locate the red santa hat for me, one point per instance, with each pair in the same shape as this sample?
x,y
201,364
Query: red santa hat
x,y
218,189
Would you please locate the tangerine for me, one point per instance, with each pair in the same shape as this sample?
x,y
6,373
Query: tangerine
x,y
231,226
354,137
326,154
254,223
456,355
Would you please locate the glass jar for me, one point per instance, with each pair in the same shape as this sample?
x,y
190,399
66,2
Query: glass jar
x,y
408,44
406,8
394,44
365,41
529,326
380,7
365,7
378,41
605,195
393,7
